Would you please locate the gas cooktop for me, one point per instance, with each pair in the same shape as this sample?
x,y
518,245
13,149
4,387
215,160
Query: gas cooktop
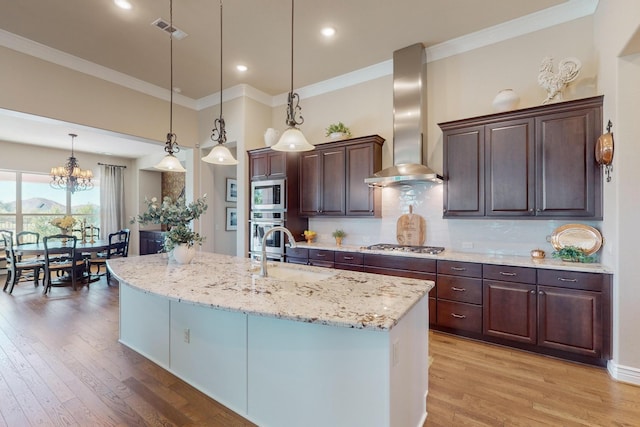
x,y
432,250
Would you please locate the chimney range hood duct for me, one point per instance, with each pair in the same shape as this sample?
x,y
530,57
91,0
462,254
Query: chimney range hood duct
x,y
409,116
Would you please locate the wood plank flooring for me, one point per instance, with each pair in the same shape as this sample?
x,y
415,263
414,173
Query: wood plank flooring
x,y
61,364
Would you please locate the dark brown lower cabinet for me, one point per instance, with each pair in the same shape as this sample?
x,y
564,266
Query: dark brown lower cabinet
x,y
570,320
561,313
510,311
151,242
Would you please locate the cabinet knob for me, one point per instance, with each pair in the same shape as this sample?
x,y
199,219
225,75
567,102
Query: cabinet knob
x,y
504,273
531,210
458,268
532,291
453,288
540,293
562,279
348,258
458,316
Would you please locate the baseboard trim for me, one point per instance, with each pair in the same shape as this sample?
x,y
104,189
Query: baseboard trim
x,y
625,374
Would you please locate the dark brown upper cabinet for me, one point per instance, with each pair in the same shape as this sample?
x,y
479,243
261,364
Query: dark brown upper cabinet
x,y
265,163
532,163
332,178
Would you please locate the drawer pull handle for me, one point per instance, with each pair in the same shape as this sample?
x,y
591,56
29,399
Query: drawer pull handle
x,y
458,268
458,316
504,273
562,279
321,255
453,288
348,258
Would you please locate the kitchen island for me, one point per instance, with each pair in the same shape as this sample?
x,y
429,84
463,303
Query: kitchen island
x,y
304,346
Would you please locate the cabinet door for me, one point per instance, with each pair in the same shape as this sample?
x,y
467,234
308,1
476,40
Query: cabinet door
x,y
464,172
570,320
510,311
360,164
277,164
333,182
510,168
310,183
258,168
568,178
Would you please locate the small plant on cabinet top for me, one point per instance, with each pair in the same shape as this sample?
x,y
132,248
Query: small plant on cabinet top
x,y
573,254
338,128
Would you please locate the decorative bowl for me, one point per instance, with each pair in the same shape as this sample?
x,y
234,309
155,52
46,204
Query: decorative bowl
x,y
537,254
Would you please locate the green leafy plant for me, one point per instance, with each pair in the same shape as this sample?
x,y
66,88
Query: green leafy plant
x,y
573,254
177,215
339,233
338,128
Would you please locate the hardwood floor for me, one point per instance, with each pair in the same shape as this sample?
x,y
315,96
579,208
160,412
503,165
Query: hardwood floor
x,y
61,364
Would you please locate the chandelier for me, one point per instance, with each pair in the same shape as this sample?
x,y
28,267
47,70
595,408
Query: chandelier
x,y
220,155
293,139
170,162
70,177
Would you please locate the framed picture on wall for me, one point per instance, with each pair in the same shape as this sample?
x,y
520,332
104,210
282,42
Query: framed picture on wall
x,y
232,190
232,219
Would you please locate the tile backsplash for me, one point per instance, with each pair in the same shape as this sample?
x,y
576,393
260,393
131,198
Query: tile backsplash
x,y
487,236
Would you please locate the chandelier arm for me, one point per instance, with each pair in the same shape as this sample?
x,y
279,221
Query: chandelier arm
x,y
171,67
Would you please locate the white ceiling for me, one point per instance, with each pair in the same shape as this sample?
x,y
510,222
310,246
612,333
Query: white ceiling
x,y
256,33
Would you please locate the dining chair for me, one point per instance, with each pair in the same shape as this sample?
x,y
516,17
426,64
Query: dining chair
x,y
16,269
60,257
118,248
25,238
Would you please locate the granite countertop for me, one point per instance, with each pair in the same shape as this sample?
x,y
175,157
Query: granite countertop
x,y
346,298
448,255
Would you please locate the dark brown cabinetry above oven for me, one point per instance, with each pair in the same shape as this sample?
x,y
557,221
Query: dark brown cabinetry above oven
x,y
332,178
265,163
532,163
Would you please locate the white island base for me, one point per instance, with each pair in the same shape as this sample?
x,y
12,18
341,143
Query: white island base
x,y
278,372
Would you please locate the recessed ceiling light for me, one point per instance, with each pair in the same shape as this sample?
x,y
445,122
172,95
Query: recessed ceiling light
x,y
123,4
241,68
328,31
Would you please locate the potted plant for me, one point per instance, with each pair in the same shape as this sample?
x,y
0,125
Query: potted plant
x,y
339,235
176,215
339,130
573,254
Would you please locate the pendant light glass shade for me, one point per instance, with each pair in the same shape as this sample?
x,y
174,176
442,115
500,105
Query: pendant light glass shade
x,y
220,155
170,163
293,140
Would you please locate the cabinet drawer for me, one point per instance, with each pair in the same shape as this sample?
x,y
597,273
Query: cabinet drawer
x,y
301,261
463,289
454,268
507,273
400,273
458,315
351,267
348,257
320,263
400,262
296,252
571,279
321,255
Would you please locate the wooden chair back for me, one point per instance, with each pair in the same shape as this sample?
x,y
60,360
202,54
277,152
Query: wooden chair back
x,y
25,237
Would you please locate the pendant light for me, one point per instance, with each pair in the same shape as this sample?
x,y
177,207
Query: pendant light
x,y
170,163
220,155
293,139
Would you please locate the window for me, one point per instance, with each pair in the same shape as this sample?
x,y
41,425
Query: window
x,y
39,204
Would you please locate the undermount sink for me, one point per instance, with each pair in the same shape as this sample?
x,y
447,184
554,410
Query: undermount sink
x,y
292,274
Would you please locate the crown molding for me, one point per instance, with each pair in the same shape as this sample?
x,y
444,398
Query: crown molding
x,y
58,57
565,12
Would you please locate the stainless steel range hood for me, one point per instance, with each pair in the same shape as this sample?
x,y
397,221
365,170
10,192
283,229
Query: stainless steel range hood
x,y
409,117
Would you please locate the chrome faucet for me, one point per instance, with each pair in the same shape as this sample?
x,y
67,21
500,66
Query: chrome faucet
x,y
263,259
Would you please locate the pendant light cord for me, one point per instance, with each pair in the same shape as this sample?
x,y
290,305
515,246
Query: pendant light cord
x,y
291,46
171,66
221,59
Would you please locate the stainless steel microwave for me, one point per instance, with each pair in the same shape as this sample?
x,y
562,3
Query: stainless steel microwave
x,y
268,195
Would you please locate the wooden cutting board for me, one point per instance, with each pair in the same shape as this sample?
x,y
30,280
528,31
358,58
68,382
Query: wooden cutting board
x,y
411,229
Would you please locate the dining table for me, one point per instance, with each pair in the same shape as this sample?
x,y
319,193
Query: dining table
x,y
37,249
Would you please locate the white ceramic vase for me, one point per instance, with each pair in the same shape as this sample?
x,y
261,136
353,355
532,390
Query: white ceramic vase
x,y
505,100
183,253
271,136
